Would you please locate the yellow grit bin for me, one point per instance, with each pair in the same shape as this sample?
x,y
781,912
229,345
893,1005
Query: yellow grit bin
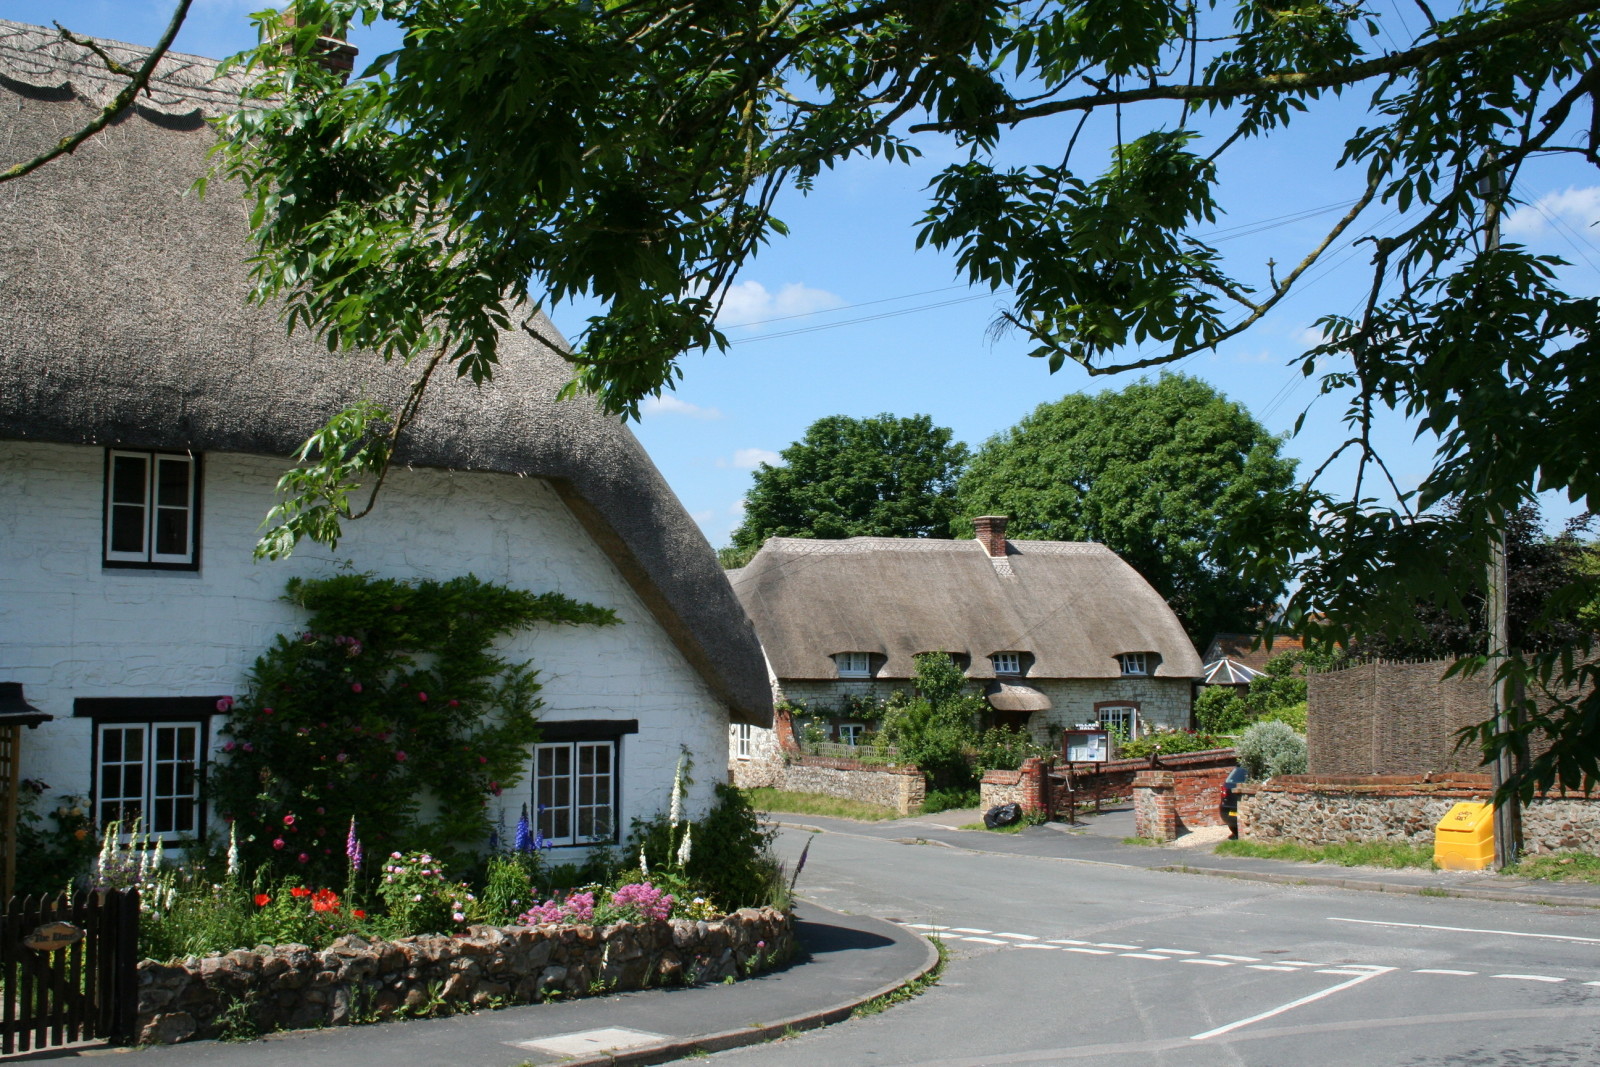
x,y
1464,838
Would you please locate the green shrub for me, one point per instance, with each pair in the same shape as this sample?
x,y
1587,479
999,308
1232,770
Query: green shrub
x,y
1170,743
729,857
1269,749
52,859
939,800
1218,709
1004,749
1291,715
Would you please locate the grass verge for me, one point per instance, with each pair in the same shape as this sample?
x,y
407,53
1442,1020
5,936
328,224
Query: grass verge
x,y
1347,854
765,798
1149,842
1014,828
914,988
1560,867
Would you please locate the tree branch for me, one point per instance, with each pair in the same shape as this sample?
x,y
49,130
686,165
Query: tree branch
x,y
141,80
1292,81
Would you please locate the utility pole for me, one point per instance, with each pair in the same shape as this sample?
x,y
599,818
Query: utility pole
x,y
1507,814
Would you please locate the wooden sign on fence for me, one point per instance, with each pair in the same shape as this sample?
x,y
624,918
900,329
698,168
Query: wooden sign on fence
x,y
53,936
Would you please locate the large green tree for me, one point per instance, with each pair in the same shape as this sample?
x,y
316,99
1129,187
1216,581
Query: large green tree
x,y
883,476
1155,472
632,151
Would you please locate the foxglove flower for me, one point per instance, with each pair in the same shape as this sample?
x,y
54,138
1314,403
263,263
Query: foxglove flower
x,y
683,848
352,846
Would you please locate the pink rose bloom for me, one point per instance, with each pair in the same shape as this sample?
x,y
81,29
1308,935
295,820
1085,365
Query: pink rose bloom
x,y
277,843
304,858
355,687
400,756
228,746
266,711
341,757
225,703
288,820
483,759
422,696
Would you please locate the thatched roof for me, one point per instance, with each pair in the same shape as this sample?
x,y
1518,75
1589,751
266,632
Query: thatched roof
x,y
123,320
1072,607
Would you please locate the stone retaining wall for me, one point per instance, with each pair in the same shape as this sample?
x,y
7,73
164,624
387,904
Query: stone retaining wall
x,y
901,788
353,980
1324,809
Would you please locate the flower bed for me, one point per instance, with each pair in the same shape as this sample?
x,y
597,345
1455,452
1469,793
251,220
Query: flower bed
x,y
355,980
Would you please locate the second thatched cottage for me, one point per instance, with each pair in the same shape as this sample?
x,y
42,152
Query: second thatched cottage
x,y
1055,633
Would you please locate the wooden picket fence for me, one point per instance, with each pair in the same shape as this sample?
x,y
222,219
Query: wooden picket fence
x,y
76,981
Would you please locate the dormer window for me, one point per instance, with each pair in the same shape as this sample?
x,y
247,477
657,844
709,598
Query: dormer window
x,y
1007,662
854,664
1135,664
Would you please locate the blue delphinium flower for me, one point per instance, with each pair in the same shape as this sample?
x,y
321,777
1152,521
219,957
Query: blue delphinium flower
x,y
525,836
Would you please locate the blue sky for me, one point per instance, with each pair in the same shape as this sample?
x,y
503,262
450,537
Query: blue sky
x,y
849,318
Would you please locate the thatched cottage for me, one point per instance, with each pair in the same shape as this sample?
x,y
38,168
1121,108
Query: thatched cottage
x,y
146,412
1053,633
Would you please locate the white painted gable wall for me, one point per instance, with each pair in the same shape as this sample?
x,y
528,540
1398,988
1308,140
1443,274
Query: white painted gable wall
x,y
70,628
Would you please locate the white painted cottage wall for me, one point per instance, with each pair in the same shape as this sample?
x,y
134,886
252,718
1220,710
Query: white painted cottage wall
x,y
70,628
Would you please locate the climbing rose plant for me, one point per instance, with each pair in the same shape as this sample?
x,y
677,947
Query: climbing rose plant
x,y
391,703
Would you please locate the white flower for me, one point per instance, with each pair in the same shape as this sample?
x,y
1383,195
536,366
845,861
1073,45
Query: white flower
x,y
233,850
644,867
675,814
683,849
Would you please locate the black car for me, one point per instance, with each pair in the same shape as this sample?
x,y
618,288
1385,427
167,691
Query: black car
x,y
1230,799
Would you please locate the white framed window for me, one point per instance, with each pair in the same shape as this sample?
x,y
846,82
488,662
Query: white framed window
x,y
149,759
854,664
851,733
575,788
1123,718
743,743
151,509
1136,664
1007,662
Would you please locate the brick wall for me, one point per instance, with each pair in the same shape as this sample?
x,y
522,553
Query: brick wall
x,y
1326,809
1167,804
1102,781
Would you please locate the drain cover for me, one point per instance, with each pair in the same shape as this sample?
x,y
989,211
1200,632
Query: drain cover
x,y
586,1042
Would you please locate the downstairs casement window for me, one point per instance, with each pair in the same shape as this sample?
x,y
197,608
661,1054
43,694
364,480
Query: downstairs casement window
x,y
149,760
577,780
152,513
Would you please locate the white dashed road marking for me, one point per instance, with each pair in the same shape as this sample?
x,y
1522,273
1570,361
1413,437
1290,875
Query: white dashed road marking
x,y
1222,959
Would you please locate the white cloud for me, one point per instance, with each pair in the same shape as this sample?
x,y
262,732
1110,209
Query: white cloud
x,y
737,507
750,303
1578,208
1310,337
747,459
703,517
671,405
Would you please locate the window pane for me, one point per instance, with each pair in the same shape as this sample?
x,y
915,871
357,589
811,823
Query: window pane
x,y
128,480
172,532
127,528
172,482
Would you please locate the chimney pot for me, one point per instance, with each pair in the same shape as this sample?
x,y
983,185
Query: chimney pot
x,y
991,534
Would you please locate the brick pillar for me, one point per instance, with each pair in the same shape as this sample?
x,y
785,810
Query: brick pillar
x,y
783,727
1035,784
1155,805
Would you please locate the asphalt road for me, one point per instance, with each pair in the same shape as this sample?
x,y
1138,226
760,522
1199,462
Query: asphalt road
x,y
1067,961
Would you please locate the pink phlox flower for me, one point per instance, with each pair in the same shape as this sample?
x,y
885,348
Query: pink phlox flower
x,y
651,902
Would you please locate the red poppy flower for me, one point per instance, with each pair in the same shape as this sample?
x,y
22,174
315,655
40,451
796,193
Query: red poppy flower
x,y
300,891
324,900
358,913
262,900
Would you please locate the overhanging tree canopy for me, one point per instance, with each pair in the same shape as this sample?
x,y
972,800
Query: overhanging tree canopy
x,y
632,151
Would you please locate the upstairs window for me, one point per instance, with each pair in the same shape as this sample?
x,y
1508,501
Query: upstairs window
x,y
151,512
1135,664
1007,662
744,738
854,664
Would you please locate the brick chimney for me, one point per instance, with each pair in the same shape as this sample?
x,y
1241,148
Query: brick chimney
x,y
332,52
991,533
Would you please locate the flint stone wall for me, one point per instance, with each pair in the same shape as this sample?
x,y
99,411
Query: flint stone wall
x,y
901,788
1315,809
353,980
